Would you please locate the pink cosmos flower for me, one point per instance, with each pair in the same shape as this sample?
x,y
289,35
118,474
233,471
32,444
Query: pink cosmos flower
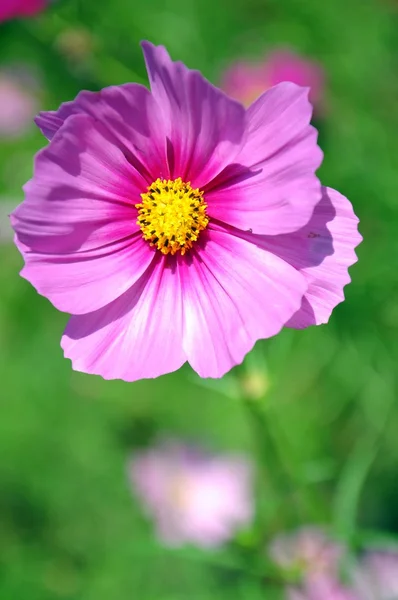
x,y
192,496
176,226
377,576
11,9
246,81
18,103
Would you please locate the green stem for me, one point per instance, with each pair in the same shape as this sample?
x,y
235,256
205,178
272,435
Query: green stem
x,y
275,488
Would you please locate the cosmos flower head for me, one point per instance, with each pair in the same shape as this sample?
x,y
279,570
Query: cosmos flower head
x,y
193,496
13,9
247,80
174,225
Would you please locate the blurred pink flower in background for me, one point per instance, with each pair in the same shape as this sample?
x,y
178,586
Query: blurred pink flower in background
x,y
246,81
10,9
377,576
322,588
192,496
18,102
307,551
311,555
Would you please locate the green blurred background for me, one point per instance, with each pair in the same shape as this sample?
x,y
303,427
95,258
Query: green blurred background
x,y
69,527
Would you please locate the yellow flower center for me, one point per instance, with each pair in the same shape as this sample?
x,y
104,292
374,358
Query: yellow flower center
x,y
171,215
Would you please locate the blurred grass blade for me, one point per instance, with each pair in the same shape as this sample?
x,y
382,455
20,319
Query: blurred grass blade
x,y
377,400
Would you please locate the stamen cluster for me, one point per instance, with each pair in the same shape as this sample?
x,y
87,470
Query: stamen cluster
x,y
171,215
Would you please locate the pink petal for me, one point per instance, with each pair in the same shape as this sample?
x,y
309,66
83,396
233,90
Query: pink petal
x,y
234,293
77,226
203,126
323,250
137,336
273,187
131,117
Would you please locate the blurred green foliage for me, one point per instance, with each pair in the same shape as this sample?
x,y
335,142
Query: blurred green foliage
x,y
69,528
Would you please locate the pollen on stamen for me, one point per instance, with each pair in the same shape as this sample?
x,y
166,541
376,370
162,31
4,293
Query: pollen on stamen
x,y
171,215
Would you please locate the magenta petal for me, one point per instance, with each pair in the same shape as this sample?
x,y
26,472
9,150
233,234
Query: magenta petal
x,y
50,121
137,336
203,126
273,188
322,250
131,116
77,227
234,293
10,9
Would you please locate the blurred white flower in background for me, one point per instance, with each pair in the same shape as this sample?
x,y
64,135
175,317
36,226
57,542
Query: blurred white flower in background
x,y
193,497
